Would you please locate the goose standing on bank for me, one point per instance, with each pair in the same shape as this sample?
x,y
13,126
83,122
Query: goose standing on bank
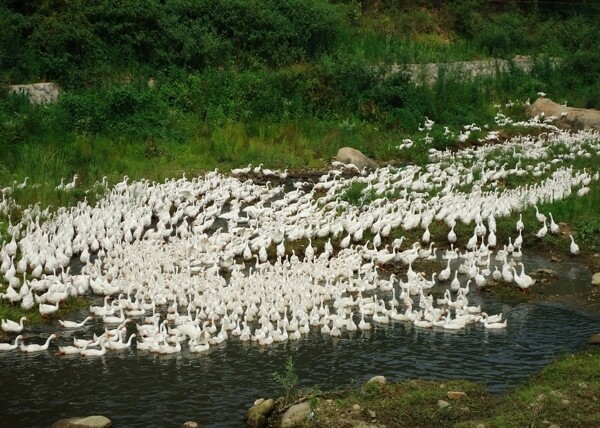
x,y
574,247
554,228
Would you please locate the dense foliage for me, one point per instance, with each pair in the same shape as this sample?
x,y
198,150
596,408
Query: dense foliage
x,y
239,79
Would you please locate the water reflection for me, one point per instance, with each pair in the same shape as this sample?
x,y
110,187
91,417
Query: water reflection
x,y
135,388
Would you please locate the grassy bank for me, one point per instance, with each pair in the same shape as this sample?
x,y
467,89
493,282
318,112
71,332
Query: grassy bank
x,y
565,393
288,88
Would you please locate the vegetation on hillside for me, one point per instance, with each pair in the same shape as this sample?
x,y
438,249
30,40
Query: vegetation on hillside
x,y
283,83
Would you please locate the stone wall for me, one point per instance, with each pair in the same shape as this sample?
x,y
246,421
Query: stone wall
x,y
428,73
38,93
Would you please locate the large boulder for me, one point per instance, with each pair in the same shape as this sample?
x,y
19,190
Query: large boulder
x,y
348,155
567,117
296,415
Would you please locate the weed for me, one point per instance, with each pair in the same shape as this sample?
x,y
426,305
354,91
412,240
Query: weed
x,y
287,379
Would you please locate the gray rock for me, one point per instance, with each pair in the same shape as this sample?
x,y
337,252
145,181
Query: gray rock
x,y
594,340
372,414
84,422
567,117
442,404
348,155
296,415
596,279
356,407
190,424
256,416
377,379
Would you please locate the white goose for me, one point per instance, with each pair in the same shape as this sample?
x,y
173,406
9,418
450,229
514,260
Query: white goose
x,y
523,280
85,352
119,344
574,247
73,324
554,228
542,232
520,226
445,274
11,326
36,347
493,325
455,284
10,347
67,350
46,309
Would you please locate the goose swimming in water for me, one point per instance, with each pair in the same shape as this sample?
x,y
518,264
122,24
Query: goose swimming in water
x,y
523,280
85,352
37,348
10,347
11,326
73,324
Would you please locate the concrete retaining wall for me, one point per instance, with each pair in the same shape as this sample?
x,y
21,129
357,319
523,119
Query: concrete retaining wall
x,y
38,93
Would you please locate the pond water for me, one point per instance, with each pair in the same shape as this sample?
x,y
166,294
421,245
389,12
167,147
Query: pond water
x,y
137,389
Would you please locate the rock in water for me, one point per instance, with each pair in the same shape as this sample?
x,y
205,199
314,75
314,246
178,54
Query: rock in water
x,y
84,422
596,279
594,340
257,415
348,155
190,424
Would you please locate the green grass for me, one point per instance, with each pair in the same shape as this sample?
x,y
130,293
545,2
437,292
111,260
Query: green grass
x,y
9,311
410,403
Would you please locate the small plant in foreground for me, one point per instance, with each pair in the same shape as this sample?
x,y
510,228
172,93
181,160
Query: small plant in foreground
x,y
288,379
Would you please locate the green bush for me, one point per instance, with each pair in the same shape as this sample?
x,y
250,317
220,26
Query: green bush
x,y
504,36
584,66
125,110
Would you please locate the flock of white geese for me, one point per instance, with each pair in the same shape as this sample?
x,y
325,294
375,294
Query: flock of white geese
x,y
193,263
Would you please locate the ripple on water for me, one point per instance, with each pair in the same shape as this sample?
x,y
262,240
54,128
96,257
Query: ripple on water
x,y
216,388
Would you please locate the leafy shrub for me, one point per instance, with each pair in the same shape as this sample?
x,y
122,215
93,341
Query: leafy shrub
x,y
124,110
504,36
583,65
398,101
354,194
589,232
